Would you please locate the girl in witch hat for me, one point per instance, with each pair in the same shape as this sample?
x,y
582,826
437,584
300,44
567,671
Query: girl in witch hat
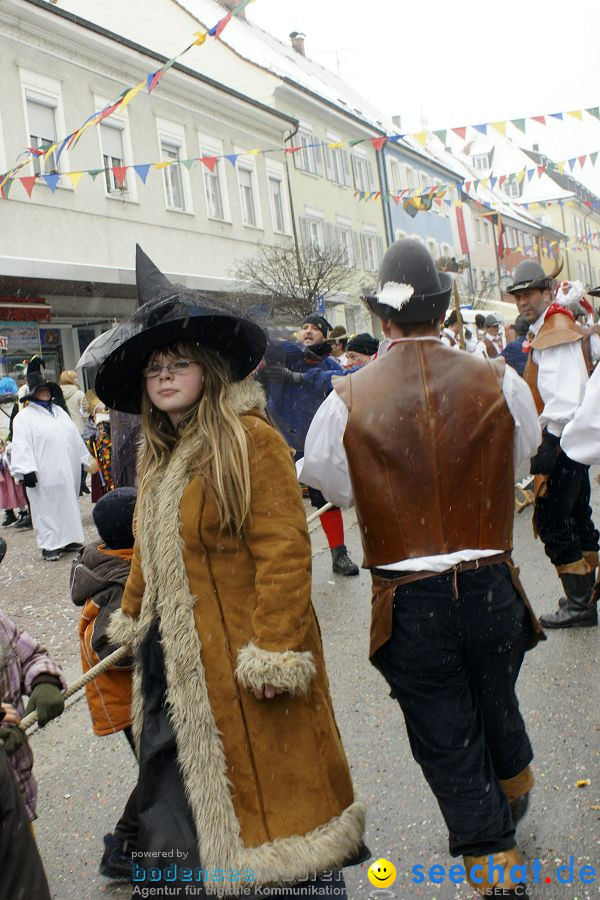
x,y
242,770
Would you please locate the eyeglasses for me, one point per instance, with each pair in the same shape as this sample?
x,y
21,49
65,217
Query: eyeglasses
x,y
179,367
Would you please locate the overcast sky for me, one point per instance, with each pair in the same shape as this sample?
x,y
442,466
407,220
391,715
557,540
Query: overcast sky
x,y
459,63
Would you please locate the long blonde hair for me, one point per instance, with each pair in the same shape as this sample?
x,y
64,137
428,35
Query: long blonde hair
x,y
218,434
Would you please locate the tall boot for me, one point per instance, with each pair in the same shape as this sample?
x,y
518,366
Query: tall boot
x,y
516,791
579,611
591,558
341,562
490,872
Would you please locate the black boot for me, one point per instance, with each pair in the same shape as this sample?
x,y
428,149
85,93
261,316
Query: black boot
x,y
579,611
24,520
341,562
9,518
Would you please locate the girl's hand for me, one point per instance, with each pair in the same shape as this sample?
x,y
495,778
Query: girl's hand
x,y
266,692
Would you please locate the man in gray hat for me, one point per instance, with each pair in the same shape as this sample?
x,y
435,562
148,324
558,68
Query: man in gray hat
x,y
492,338
557,375
435,502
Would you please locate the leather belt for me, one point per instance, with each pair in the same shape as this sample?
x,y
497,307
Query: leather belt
x,y
399,577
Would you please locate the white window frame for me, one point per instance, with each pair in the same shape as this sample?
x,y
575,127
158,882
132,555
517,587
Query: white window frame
x,y
173,134
368,235
481,161
212,146
248,164
512,188
121,121
411,177
276,172
48,92
487,232
308,159
433,247
394,167
338,168
312,224
366,181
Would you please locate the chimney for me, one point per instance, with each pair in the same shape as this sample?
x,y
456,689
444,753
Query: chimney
x,y
397,120
297,39
536,148
230,5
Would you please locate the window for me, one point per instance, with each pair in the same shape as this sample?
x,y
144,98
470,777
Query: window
x,y
176,179
372,251
310,156
350,320
337,162
42,134
481,161
364,179
478,233
113,156
411,178
215,180
276,197
172,176
247,196
487,233
347,240
432,246
394,176
312,231
512,188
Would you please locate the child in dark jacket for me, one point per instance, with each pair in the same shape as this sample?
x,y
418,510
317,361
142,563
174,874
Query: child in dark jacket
x,y
98,577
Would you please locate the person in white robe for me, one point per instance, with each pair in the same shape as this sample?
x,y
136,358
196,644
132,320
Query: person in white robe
x,y
47,455
580,439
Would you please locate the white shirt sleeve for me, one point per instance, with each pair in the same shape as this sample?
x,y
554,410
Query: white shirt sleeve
x,y
324,465
519,400
595,347
562,378
23,458
581,437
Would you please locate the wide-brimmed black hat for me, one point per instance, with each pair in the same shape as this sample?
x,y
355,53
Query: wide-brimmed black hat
x,y
529,274
363,343
35,382
410,289
172,314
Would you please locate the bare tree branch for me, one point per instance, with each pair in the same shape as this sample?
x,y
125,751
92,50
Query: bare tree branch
x,y
294,281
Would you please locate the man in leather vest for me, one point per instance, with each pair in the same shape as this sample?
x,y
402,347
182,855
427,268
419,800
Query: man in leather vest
x,y
557,375
434,498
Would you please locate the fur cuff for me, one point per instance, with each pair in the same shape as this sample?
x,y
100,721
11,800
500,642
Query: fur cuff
x,y
122,630
290,670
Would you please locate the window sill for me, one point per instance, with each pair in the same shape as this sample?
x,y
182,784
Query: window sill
x,y
120,199
253,227
306,172
220,221
175,209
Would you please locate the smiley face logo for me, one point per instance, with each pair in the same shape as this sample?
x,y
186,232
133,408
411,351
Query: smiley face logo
x,y
382,873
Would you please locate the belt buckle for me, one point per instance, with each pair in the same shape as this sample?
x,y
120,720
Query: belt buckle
x,y
476,563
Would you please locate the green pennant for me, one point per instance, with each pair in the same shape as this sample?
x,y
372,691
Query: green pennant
x,y
594,157
94,172
442,135
188,163
594,111
519,123
355,142
550,167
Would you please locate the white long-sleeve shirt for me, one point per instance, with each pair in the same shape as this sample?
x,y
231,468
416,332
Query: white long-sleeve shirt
x,y
581,436
562,378
325,464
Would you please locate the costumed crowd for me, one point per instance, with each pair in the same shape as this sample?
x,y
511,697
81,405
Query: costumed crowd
x,y
202,569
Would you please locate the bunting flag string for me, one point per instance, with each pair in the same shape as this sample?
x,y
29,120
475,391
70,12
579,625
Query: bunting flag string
x,y
118,104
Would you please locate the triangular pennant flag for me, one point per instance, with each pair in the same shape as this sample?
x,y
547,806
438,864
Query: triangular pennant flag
x,y
290,149
550,167
28,181
485,182
142,170
52,180
582,160
131,94
594,111
501,180
5,189
576,113
530,174
335,145
481,128
461,132
94,172
493,181
200,38
120,173
442,135
519,123
521,176
572,163
540,119
541,170
379,142
468,185
164,164
396,199
394,138
216,30
499,126
232,157
75,178
557,116
256,150
107,111
593,157
210,162
188,163
421,137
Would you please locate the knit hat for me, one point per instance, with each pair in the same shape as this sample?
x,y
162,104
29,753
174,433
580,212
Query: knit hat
x,y
8,385
113,517
319,322
363,343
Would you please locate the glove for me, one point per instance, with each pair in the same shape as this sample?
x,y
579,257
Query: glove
x,y
12,739
48,700
280,375
29,480
544,461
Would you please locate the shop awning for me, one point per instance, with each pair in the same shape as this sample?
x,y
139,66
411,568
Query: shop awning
x,y
24,312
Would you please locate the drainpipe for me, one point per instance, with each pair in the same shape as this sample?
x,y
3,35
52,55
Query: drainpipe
x,y
289,184
385,189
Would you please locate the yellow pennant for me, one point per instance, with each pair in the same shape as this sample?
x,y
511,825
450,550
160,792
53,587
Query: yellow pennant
x,y
131,94
200,38
421,137
50,150
576,113
336,145
74,177
163,165
254,152
499,126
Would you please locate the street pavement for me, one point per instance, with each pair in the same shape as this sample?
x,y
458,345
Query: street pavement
x,y
84,781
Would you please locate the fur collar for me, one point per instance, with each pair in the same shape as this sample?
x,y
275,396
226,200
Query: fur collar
x,y
247,396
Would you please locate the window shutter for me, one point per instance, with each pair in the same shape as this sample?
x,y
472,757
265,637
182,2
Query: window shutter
x,y
380,249
112,141
41,120
298,156
347,169
304,231
330,235
318,151
371,176
365,254
356,250
352,158
328,162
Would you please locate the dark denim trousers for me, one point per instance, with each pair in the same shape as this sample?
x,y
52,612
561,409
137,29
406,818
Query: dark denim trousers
x,y
564,515
452,664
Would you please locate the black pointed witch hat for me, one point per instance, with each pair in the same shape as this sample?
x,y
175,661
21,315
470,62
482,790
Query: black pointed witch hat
x,y
170,313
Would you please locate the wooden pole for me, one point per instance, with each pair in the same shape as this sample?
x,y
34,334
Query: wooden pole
x,y
461,332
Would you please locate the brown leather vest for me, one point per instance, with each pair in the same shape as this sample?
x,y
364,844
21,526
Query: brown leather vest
x,y
556,330
492,350
429,442
531,377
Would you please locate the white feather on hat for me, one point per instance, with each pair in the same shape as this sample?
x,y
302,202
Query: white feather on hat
x,y
395,294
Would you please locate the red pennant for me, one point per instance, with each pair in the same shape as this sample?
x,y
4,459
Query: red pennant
x,y
540,119
221,25
582,160
120,173
292,149
468,185
108,112
541,170
28,182
461,132
396,199
378,142
501,180
210,162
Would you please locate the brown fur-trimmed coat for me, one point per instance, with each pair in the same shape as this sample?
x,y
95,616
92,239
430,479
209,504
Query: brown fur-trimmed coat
x,y
267,780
